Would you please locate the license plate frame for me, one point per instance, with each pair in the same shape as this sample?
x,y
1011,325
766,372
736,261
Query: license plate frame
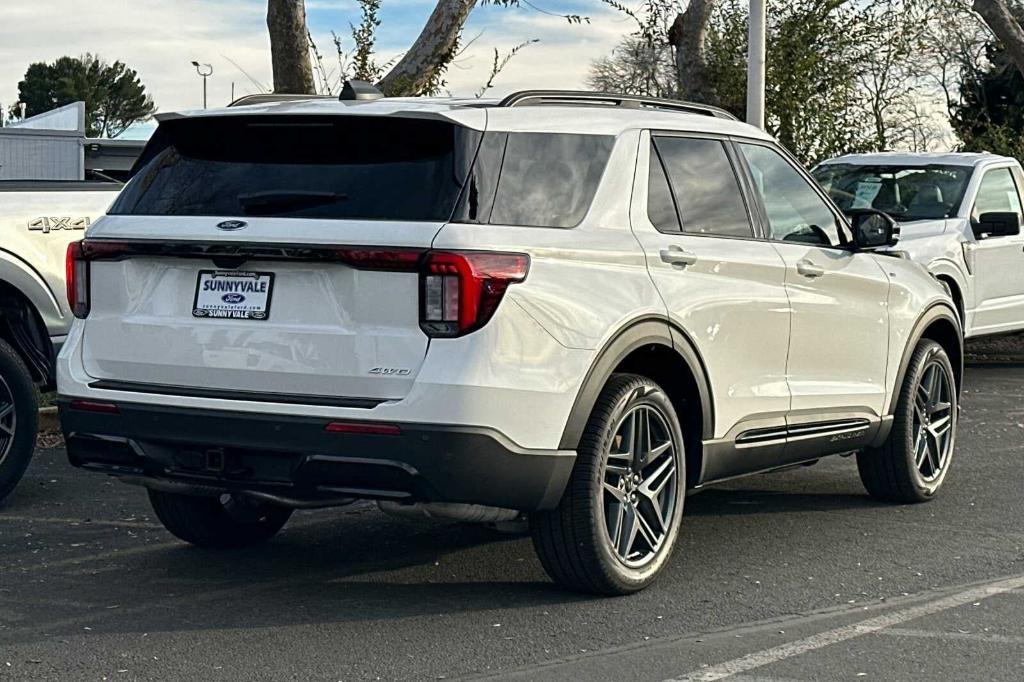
x,y
224,309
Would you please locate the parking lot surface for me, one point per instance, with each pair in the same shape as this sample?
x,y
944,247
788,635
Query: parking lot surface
x,y
789,576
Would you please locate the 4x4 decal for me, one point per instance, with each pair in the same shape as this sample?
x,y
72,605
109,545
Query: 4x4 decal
x,y
46,225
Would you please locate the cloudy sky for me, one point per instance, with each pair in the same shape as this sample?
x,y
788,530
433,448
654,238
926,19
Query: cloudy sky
x,y
159,38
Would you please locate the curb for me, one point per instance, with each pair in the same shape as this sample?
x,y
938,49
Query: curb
x,y
48,420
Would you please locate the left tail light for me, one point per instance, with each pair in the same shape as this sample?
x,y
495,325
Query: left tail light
x,y
77,276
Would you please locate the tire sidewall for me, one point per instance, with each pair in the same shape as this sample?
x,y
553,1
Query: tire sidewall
x,y
26,406
629,578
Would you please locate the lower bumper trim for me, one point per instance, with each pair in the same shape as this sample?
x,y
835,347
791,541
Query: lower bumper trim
x,y
297,459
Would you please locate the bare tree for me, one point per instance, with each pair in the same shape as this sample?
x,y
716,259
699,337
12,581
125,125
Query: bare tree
x,y
687,35
999,17
289,47
636,67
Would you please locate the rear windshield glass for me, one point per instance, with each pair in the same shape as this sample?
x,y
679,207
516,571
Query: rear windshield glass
x,y
907,193
374,168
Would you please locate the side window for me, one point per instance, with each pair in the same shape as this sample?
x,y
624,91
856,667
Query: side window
x,y
661,207
997,194
705,187
549,180
796,212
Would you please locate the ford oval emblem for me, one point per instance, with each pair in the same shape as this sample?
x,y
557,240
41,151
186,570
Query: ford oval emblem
x,y
232,298
232,225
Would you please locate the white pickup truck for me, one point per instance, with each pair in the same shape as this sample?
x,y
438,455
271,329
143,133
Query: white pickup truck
x,y
37,221
960,216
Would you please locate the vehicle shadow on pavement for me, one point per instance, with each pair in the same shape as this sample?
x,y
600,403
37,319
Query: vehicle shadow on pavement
x,y
356,565
750,501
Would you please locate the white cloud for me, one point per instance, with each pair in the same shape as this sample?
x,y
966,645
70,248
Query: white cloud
x,y
157,38
160,38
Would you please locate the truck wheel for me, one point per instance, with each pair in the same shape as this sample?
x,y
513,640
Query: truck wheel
x,y
19,418
619,518
913,462
224,522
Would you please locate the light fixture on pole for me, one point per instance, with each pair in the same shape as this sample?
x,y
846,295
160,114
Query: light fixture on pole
x,y
756,64
203,70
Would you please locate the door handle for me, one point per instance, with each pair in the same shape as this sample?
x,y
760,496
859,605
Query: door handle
x,y
809,269
675,255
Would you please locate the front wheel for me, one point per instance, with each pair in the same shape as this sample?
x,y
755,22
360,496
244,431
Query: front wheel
x,y
224,522
913,462
619,518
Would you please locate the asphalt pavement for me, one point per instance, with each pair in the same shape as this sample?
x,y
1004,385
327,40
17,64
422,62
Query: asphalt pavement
x,y
789,576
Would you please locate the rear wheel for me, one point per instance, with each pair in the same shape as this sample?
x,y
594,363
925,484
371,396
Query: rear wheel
x,y
19,418
913,462
619,518
224,522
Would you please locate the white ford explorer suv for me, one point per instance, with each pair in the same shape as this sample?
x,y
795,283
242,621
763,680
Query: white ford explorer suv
x,y
573,305
960,216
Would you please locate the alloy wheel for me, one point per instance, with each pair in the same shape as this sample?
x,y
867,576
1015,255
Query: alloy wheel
x,y
639,486
8,420
933,421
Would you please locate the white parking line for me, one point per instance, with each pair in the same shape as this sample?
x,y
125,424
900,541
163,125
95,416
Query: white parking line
x,y
865,627
963,636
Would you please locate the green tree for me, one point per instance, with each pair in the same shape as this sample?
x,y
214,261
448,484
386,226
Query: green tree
x,y
990,114
114,96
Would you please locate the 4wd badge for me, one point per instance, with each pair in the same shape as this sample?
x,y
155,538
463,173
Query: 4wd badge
x,y
46,225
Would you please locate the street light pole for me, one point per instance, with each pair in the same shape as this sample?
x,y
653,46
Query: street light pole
x,y
756,64
203,70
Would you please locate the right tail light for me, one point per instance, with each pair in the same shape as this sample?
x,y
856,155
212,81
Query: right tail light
x,y
460,290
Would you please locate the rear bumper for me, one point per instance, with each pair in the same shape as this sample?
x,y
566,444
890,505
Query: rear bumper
x,y
295,458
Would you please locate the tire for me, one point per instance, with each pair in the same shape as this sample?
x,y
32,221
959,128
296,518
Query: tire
x,y
912,464
576,541
218,522
19,418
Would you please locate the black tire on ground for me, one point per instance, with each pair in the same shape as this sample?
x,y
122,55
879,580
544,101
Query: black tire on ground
x,y
218,522
576,542
19,412
899,471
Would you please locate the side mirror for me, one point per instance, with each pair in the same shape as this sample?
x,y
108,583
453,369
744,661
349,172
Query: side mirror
x,y
873,229
996,225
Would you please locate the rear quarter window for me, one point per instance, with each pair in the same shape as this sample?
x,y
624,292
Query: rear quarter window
x,y
535,179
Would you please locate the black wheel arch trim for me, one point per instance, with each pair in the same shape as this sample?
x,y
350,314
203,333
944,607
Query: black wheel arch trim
x,y
652,330
936,312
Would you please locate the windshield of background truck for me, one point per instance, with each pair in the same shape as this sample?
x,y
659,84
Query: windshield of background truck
x,y
907,193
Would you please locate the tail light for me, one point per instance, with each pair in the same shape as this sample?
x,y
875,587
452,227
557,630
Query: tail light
x,y
459,291
77,276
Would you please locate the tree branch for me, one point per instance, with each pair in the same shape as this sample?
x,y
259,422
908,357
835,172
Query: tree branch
x,y
1005,26
687,36
289,47
433,50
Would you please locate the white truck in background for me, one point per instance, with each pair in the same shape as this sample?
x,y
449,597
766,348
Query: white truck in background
x,y
960,216
38,219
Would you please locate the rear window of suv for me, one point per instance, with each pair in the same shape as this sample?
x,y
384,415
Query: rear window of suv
x,y
365,167
356,167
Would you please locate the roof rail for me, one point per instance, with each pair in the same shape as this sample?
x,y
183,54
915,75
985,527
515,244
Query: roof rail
x,y
584,98
268,97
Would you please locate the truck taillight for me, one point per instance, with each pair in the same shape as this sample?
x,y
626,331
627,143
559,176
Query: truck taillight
x,y
77,275
459,291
